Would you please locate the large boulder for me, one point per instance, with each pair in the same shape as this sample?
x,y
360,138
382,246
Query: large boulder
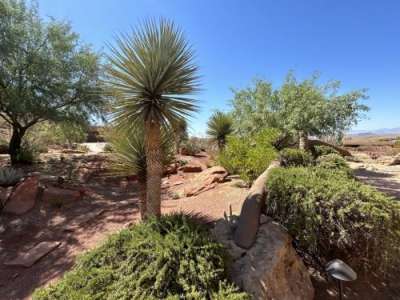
x,y
271,268
205,181
23,198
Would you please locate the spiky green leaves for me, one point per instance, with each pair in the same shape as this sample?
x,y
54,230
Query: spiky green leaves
x,y
151,73
220,126
129,153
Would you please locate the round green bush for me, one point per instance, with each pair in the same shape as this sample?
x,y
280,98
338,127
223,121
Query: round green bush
x,y
249,156
334,216
170,258
290,157
320,150
334,162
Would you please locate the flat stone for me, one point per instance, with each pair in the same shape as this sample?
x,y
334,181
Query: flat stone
x,y
24,196
27,259
58,194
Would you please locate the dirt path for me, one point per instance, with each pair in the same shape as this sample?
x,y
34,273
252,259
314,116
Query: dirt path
x,y
385,178
116,208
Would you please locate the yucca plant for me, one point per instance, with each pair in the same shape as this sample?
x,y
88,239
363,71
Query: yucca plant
x,y
220,126
151,74
129,157
180,133
10,176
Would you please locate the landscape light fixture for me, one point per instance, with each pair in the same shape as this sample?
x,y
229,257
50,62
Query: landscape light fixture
x,y
341,272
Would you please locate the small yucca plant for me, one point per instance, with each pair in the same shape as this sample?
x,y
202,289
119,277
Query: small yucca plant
x,y
220,126
10,176
129,157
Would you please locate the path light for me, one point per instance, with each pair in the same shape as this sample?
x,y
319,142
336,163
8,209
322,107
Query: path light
x,y
341,272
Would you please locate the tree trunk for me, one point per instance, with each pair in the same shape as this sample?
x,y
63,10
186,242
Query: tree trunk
x,y
303,140
154,168
142,198
15,144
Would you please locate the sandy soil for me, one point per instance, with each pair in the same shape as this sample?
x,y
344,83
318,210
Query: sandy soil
x,y
117,206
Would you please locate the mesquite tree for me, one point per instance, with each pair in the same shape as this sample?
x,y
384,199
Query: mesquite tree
x,y
45,72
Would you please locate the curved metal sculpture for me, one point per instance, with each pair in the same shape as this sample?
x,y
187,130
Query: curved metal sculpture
x,y
249,219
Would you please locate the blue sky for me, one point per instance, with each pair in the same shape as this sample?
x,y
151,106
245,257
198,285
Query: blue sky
x,y
355,41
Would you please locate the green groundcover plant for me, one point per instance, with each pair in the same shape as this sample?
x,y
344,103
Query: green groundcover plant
x,y
170,258
331,215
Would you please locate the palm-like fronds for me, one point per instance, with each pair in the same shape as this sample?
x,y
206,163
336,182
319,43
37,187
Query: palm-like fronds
x,y
220,126
151,73
129,153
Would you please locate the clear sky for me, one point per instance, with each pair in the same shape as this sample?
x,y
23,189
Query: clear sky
x,y
355,41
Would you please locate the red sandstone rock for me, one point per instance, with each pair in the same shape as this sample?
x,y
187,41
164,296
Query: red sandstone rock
x,y
191,168
24,196
27,259
206,181
57,194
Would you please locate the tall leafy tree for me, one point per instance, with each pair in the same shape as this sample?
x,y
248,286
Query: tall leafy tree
x,y
297,108
255,108
151,74
220,126
309,108
45,72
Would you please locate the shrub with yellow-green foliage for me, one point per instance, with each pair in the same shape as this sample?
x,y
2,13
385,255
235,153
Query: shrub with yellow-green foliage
x,y
295,157
170,258
249,156
331,215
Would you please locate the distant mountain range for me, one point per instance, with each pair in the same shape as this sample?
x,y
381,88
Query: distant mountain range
x,y
380,131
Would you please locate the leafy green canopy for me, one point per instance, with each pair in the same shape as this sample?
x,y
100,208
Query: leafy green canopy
x,y
170,258
45,73
332,215
151,73
297,106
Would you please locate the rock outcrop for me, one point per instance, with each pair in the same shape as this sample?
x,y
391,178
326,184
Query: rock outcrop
x,y
395,161
205,181
271,268
23,198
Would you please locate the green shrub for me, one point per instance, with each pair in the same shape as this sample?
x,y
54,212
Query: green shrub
x,y
170,258
249,156
28,153
334,162
191,147
321,150
108,148
334,216
295,157
10,176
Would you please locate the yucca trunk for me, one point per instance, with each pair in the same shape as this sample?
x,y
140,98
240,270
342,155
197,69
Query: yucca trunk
x,y
154,168
142,198
303,140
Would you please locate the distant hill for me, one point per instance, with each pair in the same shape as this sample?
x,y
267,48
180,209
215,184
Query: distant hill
x,y
380,131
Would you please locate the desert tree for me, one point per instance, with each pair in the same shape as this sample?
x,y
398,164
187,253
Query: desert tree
x,y
308,108
220,125
129,157
46,73
297,108
152,75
